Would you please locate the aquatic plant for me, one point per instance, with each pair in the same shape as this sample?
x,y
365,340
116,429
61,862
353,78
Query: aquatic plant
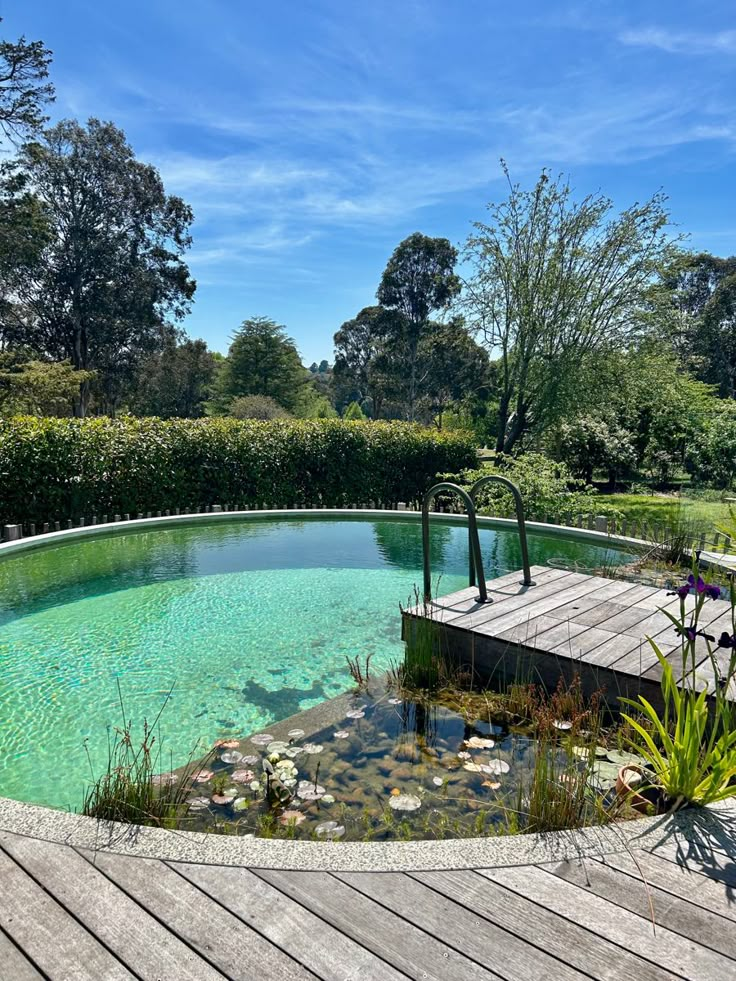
x,y
691,746
132,789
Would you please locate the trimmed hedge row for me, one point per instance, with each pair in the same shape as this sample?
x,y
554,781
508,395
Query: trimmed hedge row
x,y
55,469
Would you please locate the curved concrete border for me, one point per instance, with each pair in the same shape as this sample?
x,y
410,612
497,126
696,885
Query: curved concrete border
x,y
393,856
82,832
617,542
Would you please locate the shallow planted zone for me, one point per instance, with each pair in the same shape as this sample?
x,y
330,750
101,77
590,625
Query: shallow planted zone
x,y
413,766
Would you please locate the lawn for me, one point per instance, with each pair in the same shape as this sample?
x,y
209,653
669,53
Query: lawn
x,y
671,509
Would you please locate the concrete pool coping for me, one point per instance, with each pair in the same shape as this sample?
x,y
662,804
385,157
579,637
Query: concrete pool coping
x,y
35,821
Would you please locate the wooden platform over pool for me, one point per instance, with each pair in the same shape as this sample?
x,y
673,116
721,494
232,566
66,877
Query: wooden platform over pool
x,y
571,623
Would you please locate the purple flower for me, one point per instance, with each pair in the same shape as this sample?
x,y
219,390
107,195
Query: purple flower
x,y
698,583
713,591
727,640
683,591
689,633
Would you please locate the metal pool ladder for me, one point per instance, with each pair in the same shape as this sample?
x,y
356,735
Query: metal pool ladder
x,y
475,561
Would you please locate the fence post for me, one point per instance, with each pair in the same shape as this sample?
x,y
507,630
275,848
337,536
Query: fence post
x,y
601,523
11,533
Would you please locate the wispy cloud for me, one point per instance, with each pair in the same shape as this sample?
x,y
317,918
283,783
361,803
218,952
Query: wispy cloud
x,y
681,42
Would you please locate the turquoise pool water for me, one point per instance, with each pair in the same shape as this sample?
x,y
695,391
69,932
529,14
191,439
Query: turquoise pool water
x,y
249,621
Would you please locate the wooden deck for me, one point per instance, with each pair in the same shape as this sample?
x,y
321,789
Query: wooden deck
x,y
72,916
571,623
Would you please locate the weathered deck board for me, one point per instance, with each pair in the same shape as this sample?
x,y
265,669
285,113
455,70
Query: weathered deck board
x,y
570,623
138,940
570,943
682,957
218,935
561,921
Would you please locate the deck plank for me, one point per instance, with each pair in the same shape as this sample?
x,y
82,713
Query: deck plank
x,y
679,879
567,941
682,957
60,947
219,936
14,964
632,893
449,921
137,939
406,947
300,933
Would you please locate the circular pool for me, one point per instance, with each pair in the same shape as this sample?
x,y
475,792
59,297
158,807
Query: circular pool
x,y
245,620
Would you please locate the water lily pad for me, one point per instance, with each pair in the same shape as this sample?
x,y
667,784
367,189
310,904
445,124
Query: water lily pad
x,y
231,756
295,733
292,817
327,799
463,755
243,776
277,746
495,766
582,752
227,743
563,724
197,803
604,773
342,734
308,790
479,742
355,714
405,802
241,805
250,760
473,767
255,785
330,829
437,781
313,748
491,784
222,799
262,739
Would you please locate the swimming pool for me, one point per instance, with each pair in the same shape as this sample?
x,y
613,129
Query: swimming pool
x,y
250,621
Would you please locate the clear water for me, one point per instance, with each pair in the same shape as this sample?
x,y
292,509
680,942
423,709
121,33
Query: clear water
x,y
250,621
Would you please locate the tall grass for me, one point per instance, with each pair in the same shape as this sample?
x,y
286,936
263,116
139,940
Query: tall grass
x,y
132,788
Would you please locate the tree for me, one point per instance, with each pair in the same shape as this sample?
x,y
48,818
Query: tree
x,y
419,280
554,279
176,382
257,407
454,367
366,364
24,68
38,388
263,360
597,441
354,412
110,271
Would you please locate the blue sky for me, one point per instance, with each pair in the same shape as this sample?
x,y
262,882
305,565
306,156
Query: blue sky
x,y
311,137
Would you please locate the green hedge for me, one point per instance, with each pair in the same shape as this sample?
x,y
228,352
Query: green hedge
x,y
56,469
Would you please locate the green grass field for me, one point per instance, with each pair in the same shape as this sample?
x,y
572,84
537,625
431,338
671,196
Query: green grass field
x,y
672,510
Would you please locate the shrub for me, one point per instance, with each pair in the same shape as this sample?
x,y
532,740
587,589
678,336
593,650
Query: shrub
x,y
256,407
548,489
712,455
53,469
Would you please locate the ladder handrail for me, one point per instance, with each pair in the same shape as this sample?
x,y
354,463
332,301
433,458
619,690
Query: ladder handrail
x,y
476,559
519,504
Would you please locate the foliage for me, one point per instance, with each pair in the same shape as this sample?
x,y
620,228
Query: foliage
x,y
548,489
257,407
418,280
691,748
131,789
39,388
176,382
107,270
353,411
553,280
366,366
24,68
263,360
593,442
68,468
711,456
454,367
